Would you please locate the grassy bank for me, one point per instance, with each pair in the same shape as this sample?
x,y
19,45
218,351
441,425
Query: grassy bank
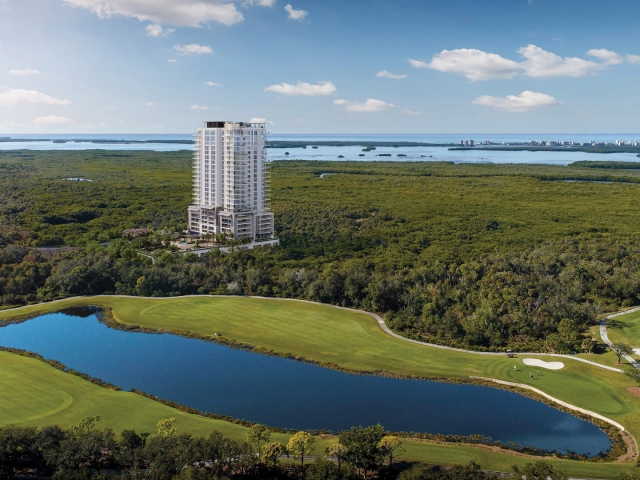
x,y
324,334
34,393
625,329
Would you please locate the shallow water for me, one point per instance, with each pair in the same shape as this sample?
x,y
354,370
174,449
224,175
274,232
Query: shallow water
x,y
353,153
285,393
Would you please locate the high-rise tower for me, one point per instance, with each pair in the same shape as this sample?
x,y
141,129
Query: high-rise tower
x,y
231,181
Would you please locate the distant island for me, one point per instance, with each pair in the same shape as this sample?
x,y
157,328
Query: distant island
x,y
87,140
347,143
270,144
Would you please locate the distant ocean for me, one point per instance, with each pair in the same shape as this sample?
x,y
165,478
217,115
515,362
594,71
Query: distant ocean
x,y
82,142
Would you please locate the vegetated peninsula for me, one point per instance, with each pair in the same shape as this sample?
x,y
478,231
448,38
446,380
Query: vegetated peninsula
x,y
105,141
270,143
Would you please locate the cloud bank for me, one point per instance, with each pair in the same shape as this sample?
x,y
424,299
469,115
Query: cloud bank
x,y
155,30
261,120
17,96
524,102
386,74
371,105
535,62
182,13
302,88
193,49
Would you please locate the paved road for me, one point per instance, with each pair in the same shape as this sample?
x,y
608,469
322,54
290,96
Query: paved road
x,y
605,337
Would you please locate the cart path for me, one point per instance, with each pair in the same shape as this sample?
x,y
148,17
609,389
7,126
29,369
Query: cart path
x,y
605,337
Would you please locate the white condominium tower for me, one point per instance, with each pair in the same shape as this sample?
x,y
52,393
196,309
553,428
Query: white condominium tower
x,y
231,181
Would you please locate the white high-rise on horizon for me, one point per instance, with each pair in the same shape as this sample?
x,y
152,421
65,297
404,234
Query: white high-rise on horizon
x,y
231,181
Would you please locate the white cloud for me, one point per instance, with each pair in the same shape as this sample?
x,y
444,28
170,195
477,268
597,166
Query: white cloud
x,y
300,120
418,63
371,105
26,71
606,56
302,88
52,120
295,14
155,30
172,60
412,113
212,84
477,65
386,74
261,120
473,64
524,102
148,104
262,3
193,49
199,107
183,13
633,59
540,63
16,96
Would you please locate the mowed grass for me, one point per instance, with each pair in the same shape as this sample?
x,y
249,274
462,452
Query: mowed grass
x,y
33,393
625,329
346,338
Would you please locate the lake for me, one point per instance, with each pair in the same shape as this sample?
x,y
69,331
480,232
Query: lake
x,y
290,394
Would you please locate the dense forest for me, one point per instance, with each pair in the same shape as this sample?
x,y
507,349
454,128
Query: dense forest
x,y
479,256
85,451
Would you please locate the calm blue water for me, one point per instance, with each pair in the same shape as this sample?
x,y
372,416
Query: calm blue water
x,y
353,153
290,394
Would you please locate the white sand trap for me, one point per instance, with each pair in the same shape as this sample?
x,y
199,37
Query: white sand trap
x,y
534,362
636,351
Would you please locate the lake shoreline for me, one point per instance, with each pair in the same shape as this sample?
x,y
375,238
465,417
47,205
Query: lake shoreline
x,y
619,448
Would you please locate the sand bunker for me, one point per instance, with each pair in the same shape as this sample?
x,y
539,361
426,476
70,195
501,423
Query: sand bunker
x,y
534,362
636,351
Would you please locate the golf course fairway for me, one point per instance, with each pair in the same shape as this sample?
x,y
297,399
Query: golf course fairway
x,y
34,393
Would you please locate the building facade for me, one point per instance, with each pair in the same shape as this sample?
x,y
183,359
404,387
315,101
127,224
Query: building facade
x,y
231,182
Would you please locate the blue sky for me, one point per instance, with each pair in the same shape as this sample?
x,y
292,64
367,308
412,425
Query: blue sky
x,y
320,66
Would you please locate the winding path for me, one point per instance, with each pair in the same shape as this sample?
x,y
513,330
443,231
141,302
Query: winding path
x,y
384,327
605,337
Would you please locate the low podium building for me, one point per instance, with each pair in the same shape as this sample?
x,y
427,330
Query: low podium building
x,y
231,182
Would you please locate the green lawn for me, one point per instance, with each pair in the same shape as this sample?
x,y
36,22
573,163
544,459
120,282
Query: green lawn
x,y
316,332
625,329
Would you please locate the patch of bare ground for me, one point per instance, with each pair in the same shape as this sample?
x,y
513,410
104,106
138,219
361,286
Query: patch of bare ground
x,y
634,391
632,448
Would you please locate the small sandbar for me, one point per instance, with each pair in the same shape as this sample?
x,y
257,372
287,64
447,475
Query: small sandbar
x,y
534,362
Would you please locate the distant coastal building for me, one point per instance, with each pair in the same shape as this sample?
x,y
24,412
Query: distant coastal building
x,y
231,182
